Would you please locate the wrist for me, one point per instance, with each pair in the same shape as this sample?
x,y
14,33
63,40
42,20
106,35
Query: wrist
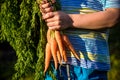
x,y
73,18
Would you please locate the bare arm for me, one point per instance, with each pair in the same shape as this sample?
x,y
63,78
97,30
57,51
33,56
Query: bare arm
x,y
97,20
60,20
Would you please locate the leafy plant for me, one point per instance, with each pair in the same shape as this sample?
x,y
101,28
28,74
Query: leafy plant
x,y
21,26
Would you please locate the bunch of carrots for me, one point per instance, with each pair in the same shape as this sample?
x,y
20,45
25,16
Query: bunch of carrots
x,y
57,43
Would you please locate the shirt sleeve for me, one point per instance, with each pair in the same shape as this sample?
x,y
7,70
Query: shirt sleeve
x,y
111,4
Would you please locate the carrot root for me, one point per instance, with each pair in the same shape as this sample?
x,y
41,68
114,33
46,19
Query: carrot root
x,y
55,48
58,56
68,44
58,38
54,51
48,56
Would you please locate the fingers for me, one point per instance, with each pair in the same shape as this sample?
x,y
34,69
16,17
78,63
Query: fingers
x,y
48,15
45,1
53,1
46,6
51,18
55,23
55,28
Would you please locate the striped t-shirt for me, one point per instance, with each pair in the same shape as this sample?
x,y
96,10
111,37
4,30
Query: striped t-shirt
x,y
91,45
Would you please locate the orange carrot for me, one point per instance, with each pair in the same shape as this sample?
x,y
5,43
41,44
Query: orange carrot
x,y
58,56
59,42
48,35
64,54
54,51
68,44
48,56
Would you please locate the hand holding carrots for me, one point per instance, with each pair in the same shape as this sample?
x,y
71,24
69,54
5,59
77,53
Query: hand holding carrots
x,y
55,47
55,20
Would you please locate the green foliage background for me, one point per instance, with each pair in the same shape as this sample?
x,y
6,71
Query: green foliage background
x,y
21,26
22,34
114,42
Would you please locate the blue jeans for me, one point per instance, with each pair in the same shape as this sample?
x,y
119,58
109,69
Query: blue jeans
x,y
77,73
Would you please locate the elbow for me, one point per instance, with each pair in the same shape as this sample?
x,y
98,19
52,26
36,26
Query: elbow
x,y
113,23
113,18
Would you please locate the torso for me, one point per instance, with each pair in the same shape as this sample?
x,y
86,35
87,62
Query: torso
x,y
91,45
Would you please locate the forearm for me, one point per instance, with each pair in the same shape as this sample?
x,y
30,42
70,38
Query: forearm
x,y
96,20
59,20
